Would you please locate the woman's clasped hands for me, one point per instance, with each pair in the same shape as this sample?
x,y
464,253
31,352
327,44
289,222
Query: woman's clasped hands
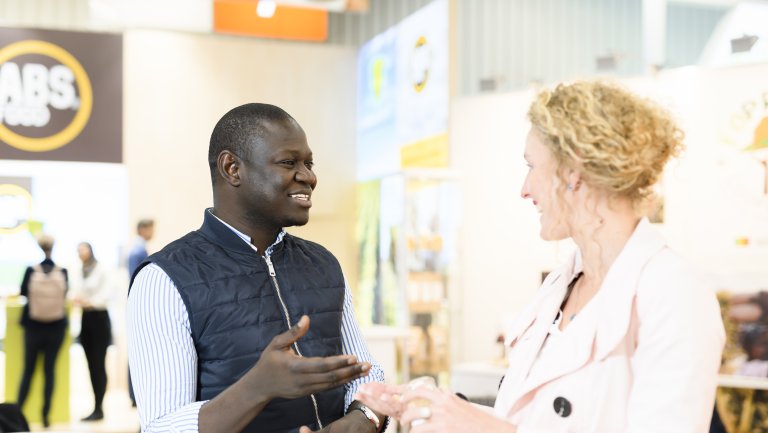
x,y
428,410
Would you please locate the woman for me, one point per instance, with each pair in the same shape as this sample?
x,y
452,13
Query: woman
x,y
624,337
44,321
93,296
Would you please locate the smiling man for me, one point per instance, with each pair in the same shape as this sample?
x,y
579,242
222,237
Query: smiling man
x,y
239,326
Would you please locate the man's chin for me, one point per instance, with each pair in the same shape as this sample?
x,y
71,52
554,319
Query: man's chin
x,y
297,222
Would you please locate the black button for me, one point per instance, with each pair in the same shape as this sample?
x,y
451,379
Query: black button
x,y
562,407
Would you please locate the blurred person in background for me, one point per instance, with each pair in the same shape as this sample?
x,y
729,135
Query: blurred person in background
x,y
44,321
93,294
145,230
625,337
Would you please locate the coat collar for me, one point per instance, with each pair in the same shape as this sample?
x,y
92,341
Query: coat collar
x,y
592,336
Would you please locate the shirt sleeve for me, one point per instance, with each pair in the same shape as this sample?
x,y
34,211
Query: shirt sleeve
x,y
352,343
161,355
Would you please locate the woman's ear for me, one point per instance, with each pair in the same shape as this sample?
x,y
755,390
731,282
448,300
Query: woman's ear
x,y
228,166
574,181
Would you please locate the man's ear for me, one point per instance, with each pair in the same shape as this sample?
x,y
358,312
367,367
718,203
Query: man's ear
x,y
228,166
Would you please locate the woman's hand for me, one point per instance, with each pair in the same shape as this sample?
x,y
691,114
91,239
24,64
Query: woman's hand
x,y
382,398
447,413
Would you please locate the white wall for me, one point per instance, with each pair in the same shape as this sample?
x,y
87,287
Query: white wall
x,y
500,253
178,85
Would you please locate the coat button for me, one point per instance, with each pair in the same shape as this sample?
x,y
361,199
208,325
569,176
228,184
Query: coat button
x,y
562,407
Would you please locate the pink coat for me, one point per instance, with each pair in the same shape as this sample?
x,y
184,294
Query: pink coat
x,y
642,356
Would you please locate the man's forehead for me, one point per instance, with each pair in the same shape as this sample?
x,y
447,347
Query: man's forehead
x,y
279,136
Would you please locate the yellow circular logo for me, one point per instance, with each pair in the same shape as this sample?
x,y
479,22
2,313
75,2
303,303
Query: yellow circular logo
x,y
421,62
26,92
16,203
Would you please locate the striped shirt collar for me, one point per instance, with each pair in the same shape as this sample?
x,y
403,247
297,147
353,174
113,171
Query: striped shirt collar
x,y
247,239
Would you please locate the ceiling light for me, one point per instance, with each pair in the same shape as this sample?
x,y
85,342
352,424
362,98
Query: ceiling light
x,y
266,8
743,44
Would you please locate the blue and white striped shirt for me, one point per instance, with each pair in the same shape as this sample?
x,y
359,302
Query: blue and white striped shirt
x,y
162,355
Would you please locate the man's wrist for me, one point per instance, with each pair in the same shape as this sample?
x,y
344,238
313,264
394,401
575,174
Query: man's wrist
x,y
360,419
379,421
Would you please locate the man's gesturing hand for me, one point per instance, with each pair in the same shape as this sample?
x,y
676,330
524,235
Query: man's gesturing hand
x,y
280,372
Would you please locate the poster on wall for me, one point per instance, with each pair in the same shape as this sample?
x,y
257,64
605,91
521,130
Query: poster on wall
x,y
376,105
60,95
403,92
422,87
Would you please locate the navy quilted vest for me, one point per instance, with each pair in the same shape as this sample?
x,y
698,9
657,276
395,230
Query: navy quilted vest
x,y
234,312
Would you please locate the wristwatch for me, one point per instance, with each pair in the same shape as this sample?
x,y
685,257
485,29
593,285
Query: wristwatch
x,y
370,415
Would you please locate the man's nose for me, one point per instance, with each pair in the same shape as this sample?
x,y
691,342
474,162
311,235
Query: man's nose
x,y
304,174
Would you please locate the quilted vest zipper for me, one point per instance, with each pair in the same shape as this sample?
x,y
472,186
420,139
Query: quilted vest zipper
x,y
273,275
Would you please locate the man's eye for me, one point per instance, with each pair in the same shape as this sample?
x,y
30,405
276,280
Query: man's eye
x,y
288,162
309,164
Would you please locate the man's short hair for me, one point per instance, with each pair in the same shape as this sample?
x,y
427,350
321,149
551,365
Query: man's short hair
x,y
45,241
144,223
241,128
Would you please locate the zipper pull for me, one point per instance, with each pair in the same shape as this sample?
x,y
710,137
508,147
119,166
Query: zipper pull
x,y
269,265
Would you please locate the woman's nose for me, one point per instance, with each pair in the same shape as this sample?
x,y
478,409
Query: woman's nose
x,y
524,193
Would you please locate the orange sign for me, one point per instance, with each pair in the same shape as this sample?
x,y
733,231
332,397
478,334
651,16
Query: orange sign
x,y
239,17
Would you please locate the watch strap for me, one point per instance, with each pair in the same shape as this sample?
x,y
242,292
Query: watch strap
x,y
370,415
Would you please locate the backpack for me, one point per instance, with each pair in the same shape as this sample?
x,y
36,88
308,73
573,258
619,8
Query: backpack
x,y
46,294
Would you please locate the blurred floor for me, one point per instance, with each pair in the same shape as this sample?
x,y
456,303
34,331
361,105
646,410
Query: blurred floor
x,y
119,415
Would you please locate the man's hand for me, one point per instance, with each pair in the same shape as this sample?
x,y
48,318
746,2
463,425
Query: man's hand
x,y
279,373
352,422
282,373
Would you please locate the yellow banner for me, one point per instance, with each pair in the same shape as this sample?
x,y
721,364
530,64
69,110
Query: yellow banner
x,y
431,152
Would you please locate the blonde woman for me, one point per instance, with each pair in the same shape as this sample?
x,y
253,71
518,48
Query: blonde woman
x,y
625,337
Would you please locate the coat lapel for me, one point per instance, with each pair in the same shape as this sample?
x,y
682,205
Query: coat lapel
x,y
589,337
529,331
619,287
571,351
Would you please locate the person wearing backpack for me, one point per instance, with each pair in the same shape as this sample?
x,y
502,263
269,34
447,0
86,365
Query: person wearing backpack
x,y
44,320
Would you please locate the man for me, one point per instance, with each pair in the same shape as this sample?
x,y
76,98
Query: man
x,y
219,320
145,229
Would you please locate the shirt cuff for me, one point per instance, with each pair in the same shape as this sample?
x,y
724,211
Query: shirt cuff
x,y
182,420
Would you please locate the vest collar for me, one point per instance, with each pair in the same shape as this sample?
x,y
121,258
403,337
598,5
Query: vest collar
x,y
218,232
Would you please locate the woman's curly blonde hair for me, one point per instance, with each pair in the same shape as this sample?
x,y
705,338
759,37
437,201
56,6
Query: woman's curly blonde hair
x,y
617,141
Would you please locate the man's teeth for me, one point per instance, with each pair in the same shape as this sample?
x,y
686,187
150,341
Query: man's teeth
x,y
300,196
